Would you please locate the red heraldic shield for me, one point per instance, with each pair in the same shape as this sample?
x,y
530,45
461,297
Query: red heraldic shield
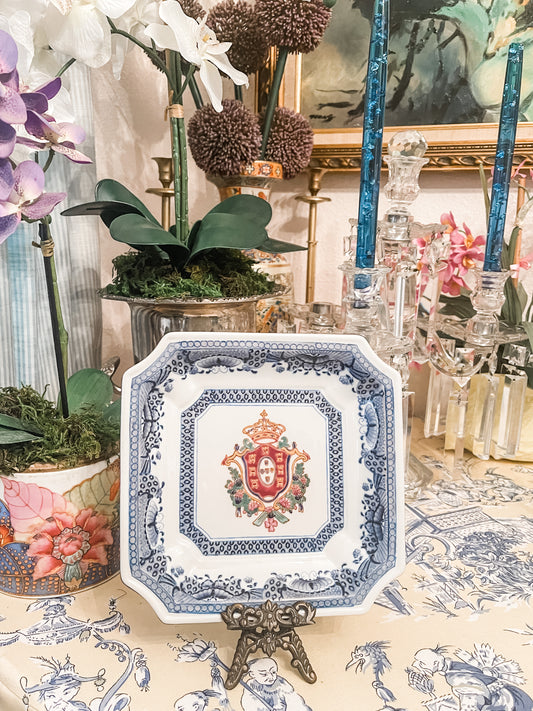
x,y
266,472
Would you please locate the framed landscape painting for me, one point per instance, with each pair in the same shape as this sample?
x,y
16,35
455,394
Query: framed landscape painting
x,y
446,70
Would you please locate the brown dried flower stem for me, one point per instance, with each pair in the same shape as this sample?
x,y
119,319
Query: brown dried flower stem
x,y
272,101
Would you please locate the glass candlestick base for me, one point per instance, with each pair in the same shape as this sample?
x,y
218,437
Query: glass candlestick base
x,y
487,298
364,310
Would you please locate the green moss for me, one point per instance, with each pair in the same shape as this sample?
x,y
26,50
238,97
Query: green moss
x,y
212,275
80,438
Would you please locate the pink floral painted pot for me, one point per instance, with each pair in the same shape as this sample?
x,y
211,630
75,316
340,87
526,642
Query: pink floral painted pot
x,y
59,530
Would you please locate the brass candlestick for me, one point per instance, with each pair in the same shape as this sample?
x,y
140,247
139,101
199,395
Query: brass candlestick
x,y
313,200
166,193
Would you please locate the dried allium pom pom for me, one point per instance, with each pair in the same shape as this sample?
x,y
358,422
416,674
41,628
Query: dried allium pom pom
x,y
193,9
236,21
221,141
296,24
290,142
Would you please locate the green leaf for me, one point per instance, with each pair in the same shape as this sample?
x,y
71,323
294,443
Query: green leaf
x,y
14,436
108,211
113,191
255,208
227,231
112,412
511,249
459,306
7,421
89,387
135,230
512,308
275,246
528,328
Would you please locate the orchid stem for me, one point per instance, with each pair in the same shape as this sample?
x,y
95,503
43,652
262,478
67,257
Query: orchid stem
x,y
238,92
176,162
273,94
48,160
190,82
66,66
195,92
59,333
184,212
151,54
179,151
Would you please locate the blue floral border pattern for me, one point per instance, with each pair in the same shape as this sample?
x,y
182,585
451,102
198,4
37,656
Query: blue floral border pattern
x,y
344,363
277,544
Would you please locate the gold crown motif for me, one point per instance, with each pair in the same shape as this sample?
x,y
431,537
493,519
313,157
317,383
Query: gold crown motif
x,y
264,430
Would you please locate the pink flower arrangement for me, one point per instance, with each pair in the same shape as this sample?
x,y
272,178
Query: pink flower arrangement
x,y
466,252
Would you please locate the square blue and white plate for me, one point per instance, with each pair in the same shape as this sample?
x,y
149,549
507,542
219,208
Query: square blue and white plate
x,y
260,467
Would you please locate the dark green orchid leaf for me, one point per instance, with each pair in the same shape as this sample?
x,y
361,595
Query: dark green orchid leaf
x,y
138,232
14,423
108,211
89,388
276,246
255,208
108,190
135,230
227,231
9,436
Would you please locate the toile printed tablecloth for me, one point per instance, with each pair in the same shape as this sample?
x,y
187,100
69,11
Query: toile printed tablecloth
x,y
454,631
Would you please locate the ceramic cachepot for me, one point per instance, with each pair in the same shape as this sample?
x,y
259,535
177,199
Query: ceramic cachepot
x,y
59,529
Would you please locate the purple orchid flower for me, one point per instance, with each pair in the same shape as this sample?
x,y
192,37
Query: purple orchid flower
x,y
12,107
25,197
60,137
36,101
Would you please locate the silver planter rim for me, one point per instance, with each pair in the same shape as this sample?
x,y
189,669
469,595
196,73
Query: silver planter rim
x,y
189,301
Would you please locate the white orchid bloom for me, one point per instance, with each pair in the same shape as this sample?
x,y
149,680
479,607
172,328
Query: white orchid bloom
x,y
79,28
134,22
198,45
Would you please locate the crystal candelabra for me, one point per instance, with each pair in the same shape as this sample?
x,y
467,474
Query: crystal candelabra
x,y
397,232
459,349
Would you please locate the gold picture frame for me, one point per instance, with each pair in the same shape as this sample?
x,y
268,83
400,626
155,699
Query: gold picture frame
x,y
455,147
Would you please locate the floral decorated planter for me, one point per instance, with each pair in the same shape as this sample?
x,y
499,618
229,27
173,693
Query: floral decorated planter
x,y
59,530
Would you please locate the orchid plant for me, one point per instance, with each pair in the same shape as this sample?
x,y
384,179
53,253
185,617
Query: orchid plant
x,y
182,48
466,252
26,120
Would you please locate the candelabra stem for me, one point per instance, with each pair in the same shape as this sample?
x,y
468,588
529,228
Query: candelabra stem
x,y
462,403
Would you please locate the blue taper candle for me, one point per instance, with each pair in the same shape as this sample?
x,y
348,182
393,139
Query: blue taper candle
x,y
376,82
504,159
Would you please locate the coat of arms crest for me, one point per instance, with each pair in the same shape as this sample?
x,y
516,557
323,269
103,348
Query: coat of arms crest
x,y
267,474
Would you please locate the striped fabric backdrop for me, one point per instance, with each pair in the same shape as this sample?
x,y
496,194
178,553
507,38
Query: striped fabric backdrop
x,y
26,347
